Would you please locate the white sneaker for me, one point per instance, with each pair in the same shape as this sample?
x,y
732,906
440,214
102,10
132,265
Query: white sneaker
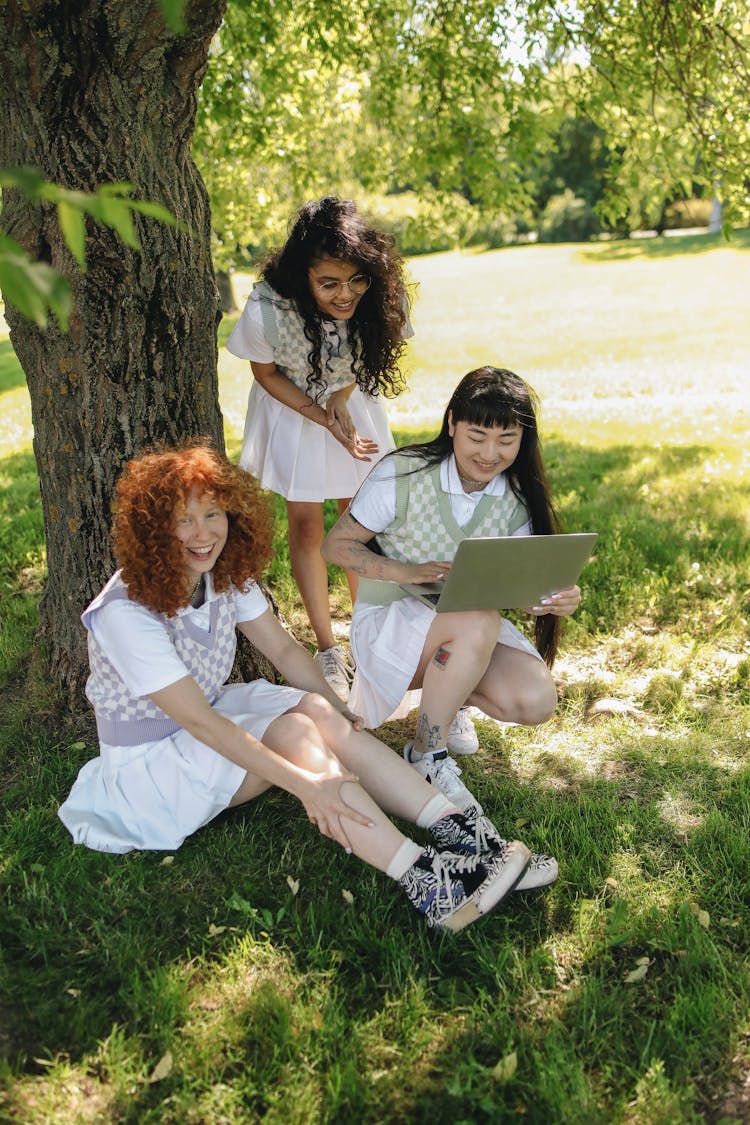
x,y
462,738
336,668
440,770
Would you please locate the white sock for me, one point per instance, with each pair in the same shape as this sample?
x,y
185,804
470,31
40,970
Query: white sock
x,y
436,808
413,755
406,856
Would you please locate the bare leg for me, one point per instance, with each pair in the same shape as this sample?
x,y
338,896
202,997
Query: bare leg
x,y
296,737
516,688
457,651
351,577
393,785
309,568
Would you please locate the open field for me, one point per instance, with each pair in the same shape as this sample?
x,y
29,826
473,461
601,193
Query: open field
x,y
260,975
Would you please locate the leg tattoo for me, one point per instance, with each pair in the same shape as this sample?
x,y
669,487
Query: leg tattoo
x,y
442,656
429,735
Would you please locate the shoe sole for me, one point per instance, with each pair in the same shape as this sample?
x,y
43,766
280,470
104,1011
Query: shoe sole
x,y
539,879
461,751
491,895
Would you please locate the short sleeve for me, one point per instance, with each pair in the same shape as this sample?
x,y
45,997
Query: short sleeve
x,y
248,339
250,602
138,646
374,506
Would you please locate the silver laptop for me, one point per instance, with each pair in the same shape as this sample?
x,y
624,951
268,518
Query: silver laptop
x,y
507,572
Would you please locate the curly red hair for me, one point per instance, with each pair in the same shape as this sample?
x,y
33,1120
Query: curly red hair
x,y
151,494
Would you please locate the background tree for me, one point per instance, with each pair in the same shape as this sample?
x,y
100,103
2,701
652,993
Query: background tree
x,y
448,98
97,93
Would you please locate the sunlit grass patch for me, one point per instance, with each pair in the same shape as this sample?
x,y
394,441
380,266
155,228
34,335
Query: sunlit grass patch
x,y
261,974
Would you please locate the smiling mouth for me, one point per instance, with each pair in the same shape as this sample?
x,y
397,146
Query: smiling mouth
x,y
201,552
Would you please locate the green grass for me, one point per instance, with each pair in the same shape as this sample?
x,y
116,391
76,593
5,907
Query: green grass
x,y
200,988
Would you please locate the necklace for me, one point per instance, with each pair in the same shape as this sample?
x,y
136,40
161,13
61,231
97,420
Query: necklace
x,y
196,594
476,483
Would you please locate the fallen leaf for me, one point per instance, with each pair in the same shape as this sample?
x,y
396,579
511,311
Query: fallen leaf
x,y
168,859
702,916
506,1068
348,897
293,884
639,972
521,821
163,1068
214,931
75,992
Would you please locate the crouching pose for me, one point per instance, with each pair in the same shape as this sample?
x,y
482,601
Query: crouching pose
x,y
481,476
178,746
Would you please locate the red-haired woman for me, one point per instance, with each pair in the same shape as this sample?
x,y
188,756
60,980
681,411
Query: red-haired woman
x,y
178,746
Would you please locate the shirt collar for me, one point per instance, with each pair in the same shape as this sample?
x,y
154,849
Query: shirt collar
x,y
451,482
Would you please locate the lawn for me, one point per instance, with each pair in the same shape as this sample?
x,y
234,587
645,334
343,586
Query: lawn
x,y
258,974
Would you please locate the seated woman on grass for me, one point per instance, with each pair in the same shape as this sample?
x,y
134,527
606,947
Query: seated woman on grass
x,y
177,746
482,475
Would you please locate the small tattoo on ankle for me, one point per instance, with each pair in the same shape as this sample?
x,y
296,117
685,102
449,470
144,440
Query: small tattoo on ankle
x,y
428,734
441,657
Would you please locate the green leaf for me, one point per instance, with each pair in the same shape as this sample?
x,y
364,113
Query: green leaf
x,y
27,180
155,211
172,11
115,213
34,288
73,227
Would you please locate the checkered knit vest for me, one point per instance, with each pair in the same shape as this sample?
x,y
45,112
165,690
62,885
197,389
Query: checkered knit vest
x,y
124,720
425,527
285,332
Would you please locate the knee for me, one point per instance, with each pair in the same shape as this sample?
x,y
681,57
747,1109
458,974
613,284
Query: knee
x,y
317,709
306,533
480,628
536,701
529,701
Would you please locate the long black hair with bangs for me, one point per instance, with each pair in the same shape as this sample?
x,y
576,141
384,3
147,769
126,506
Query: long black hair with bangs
x,y
494,396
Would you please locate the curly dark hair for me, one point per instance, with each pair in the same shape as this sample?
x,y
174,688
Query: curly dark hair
x,y
151,494
333,228
494,396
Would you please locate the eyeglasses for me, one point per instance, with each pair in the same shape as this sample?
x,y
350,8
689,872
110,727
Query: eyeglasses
x,y
357,285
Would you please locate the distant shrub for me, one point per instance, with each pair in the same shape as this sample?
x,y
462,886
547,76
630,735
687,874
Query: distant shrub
x,y
688,213
429,224
568,219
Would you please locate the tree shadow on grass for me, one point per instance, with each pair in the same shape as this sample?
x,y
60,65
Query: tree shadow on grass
x,y
669,246
90,940
93,941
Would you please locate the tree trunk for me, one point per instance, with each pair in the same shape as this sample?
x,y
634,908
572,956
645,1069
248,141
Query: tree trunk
x,y
93,92
226,291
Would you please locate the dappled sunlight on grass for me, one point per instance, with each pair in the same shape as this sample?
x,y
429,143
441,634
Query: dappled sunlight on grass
x,y
260,973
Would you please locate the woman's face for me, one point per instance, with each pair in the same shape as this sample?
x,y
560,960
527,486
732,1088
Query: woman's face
x,y
482,452
330,280
202,529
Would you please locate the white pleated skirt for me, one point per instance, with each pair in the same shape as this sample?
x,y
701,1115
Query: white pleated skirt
x,y
387,644
289,454
153,796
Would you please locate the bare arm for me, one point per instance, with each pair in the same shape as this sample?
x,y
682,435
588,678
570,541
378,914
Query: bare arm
x,y
292,660
346,545
319,792
280,387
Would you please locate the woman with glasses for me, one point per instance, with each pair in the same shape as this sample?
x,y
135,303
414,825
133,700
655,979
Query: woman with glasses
x,y
324,331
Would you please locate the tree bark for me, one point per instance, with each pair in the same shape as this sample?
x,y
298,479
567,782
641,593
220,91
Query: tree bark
x,y
94,92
